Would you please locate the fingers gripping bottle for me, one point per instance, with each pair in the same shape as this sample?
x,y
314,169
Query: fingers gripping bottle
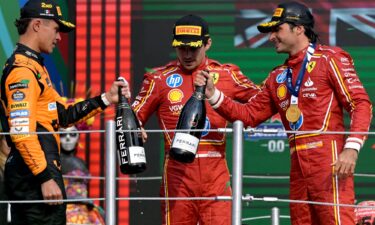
x,y
192,117
131,154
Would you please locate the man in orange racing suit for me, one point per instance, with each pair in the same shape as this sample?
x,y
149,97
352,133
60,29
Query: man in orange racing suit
x,y
165,91
309,91
31,104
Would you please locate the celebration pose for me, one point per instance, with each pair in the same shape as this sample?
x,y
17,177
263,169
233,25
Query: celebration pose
x,y
165,91
309,91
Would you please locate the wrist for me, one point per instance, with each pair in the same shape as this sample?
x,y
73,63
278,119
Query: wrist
x,y
216,99
105,99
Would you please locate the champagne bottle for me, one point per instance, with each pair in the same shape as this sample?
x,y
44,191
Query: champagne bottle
x,y
131,154
192,117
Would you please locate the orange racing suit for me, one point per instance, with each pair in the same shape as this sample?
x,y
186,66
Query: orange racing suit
x,y
31,104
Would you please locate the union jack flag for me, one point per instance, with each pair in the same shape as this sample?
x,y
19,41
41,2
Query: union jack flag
x,y
343,23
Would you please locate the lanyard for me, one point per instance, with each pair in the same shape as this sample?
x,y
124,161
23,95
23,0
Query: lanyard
x,y
295,90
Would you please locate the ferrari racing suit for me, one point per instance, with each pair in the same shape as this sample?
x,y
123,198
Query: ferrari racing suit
x,y
330,83
165,90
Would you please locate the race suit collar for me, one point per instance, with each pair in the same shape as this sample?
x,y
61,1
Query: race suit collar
x,y
296,58
28,52
202,66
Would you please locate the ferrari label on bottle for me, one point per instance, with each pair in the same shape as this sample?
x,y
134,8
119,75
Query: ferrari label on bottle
x,y
186,142
137,154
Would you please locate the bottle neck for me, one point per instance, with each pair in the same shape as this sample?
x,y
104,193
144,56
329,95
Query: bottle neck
x,y
200,89
199,92
122,99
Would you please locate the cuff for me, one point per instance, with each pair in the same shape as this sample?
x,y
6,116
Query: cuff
x,y
354,143
44,176
216,99
105,100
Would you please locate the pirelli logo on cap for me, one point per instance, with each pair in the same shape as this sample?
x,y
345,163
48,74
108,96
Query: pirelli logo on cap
x,y
278,12
189,30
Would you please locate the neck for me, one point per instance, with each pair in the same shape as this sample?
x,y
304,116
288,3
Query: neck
x,y
29,42
299,46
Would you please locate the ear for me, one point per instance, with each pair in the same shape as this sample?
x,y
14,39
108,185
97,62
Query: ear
x,y
300,29
35,24
208,45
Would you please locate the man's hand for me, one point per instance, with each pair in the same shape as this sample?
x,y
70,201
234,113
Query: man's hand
x,y
112,94
144,135
345,164
203,78
51,191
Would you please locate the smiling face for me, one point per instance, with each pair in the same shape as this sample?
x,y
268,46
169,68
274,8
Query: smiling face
x,y
190,58
288,38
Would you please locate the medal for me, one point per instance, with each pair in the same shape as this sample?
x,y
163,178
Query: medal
x,y
293,113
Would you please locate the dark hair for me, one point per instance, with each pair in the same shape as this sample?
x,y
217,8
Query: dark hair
x,y
22,25
309,32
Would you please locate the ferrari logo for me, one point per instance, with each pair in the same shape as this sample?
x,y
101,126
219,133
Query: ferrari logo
x,y
311,66
215,76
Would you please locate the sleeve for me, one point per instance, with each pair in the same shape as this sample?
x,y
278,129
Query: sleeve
x,y
70,114
22,92
258,109
352,96
243,88
147,100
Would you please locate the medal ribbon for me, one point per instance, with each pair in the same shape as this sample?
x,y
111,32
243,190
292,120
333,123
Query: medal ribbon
x,y
295,90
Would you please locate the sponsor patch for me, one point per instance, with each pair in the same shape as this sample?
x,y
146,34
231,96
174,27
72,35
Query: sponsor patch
x,y
281,92
278,12
52,106
189,30
175,95
284,104
18,85
310,66
309,82
19,105
19,129
18,96
207,126
19,113
20,122
176,109
174,80
309,95
48,81
309,89
281,77
352,80
215,76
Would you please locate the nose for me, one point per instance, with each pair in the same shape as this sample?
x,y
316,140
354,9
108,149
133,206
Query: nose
x,y
271,36
58,36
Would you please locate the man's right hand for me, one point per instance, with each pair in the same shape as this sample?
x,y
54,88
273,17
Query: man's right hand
x,y
203,77
51,191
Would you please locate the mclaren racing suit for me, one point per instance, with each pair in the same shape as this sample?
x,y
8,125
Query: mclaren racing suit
x,y
165,91
330,84
31,104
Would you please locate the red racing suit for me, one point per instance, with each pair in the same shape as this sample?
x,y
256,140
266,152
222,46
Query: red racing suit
x,y
165,91
330,84
31,104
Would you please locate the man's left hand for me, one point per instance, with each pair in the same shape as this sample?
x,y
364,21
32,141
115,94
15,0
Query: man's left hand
x,y
345,164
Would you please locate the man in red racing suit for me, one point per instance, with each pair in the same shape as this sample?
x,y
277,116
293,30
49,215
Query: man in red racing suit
x,y
321,164
165,91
